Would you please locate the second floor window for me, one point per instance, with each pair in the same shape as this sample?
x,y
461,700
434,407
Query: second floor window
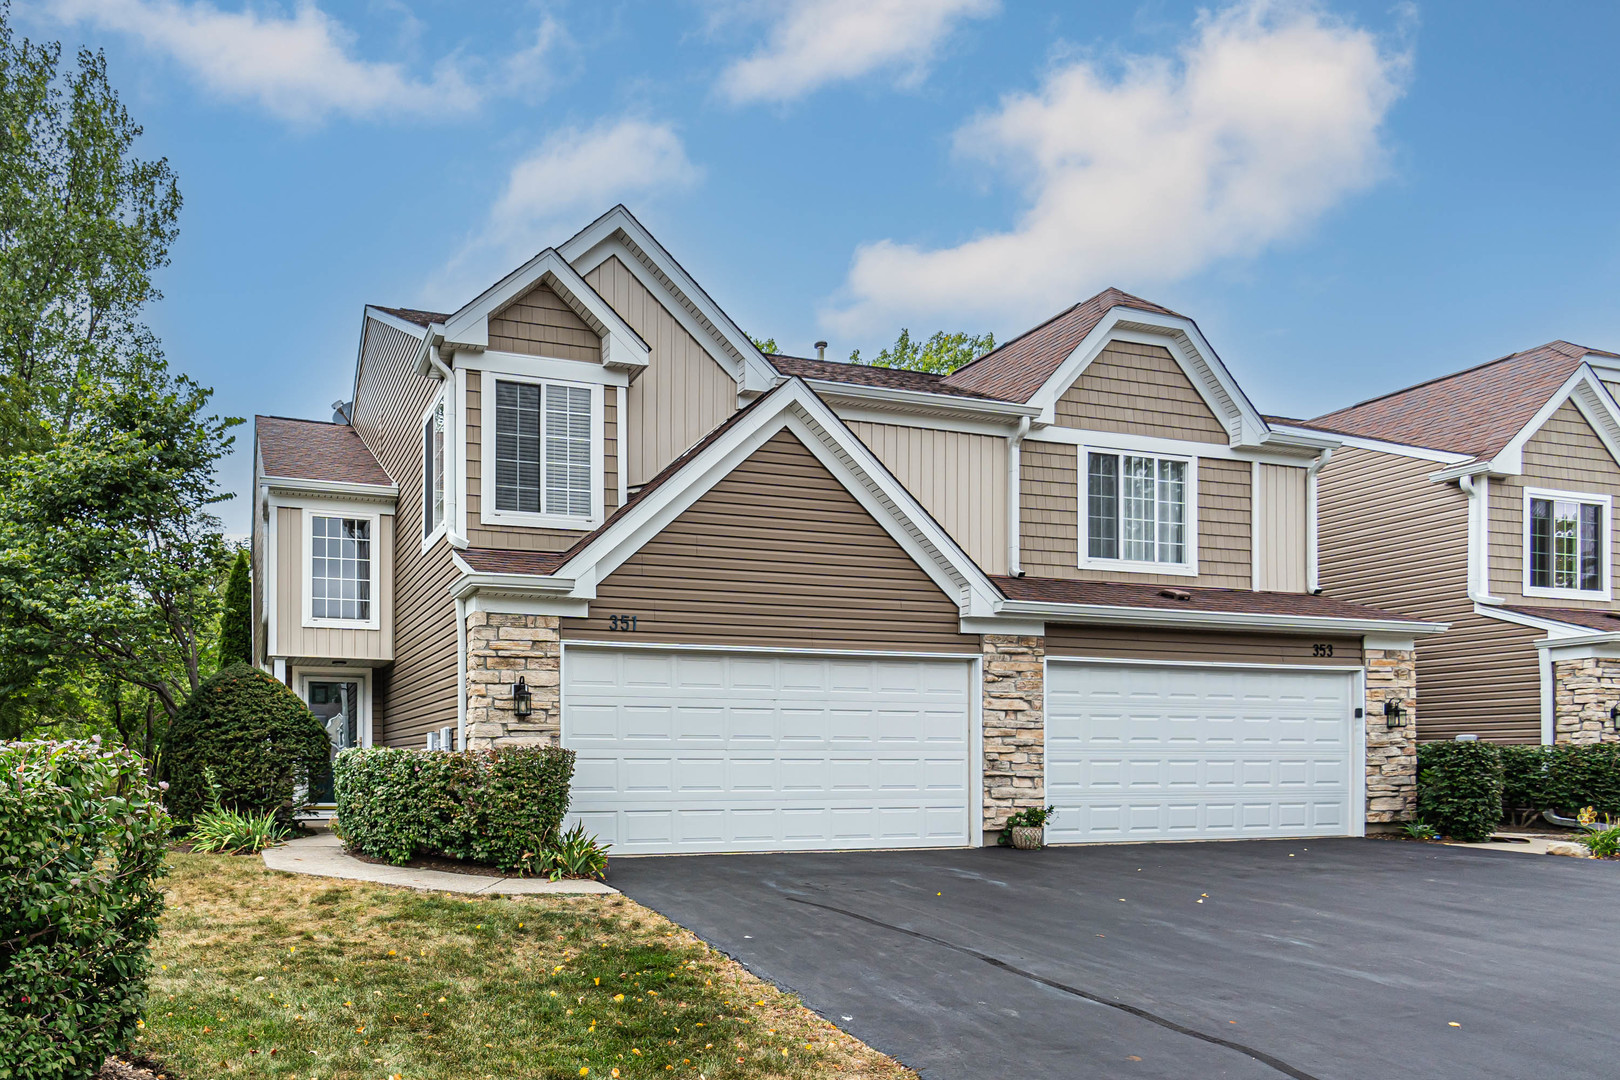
x,y
1567,539
433,470
1136,508
340,568
543,448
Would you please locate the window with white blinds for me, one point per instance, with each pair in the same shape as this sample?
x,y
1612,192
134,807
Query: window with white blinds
x,y
543,448
1137,509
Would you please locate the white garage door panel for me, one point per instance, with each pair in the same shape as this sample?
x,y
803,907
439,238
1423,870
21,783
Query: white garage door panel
x,y
702,751
1135,752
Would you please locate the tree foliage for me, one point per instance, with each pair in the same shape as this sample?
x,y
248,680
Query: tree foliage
x,y
941,354
765,345
83,226
236,621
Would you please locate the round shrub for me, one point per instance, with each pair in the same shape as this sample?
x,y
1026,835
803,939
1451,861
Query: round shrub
x,y
82,840
1460,788
261,743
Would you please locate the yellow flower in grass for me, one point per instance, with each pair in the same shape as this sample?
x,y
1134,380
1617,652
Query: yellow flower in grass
x,y
618,997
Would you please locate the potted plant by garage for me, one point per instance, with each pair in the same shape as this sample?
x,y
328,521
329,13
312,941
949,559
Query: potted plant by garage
x,y
1026,830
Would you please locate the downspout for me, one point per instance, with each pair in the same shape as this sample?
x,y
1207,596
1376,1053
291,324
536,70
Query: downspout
x,y
461,674
453,511
1015,443
1479,509
1313,583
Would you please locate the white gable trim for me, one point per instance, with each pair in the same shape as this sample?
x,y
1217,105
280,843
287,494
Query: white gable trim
x,y
617,232
1590,396
794,408
1244,424
622,347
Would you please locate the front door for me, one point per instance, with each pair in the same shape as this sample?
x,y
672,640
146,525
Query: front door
x,y
336,704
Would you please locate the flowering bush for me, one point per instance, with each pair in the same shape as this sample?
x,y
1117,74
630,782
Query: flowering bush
x,y
82,842
497,806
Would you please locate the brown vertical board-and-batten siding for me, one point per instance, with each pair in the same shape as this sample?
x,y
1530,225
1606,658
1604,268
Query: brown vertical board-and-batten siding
x,y
777,554
521,537
1393,539
1138,389
1565,455
1050,536
417,693
540,323
293,638
1201,646
960,478
684,393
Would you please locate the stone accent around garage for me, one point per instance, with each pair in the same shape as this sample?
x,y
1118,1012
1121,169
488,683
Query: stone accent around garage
x,y
1014,726
1391,752
500,649
1584,692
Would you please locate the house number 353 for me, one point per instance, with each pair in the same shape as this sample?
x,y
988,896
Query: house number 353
x,y
621,622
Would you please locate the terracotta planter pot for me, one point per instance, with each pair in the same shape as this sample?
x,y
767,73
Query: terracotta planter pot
x,y
1028,837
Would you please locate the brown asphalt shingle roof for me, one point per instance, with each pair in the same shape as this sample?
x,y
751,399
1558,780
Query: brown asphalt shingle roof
x,y
1476,411
1599,619
1236,601
866,375
420,318
1020,367
313,450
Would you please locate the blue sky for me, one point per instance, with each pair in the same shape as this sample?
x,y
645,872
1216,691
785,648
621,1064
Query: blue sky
x,y
1348,197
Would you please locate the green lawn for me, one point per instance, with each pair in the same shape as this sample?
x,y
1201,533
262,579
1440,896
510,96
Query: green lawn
x,y
259,973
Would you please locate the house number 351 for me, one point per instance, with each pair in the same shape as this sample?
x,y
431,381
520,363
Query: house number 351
x,y
621,622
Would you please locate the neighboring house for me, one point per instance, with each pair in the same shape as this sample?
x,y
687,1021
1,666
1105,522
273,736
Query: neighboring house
x,y
1485,500
781,603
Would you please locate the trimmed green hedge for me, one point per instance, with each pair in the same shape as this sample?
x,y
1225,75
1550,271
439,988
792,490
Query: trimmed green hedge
x,y
1562,778
82,841
503,806
261,742
1460,788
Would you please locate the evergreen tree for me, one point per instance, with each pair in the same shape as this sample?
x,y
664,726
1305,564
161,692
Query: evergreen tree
x,y
236,621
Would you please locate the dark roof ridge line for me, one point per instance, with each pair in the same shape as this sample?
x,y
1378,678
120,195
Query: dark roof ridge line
x,y
1458,374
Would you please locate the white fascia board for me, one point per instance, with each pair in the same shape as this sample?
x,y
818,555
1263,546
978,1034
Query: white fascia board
x,y
330,489
796,408
1555,630
622,346
1245,425
1593,645
1422,453
416,330
1591,397
1007,412
1129,441
1301,440
472,582
592,245
1213,620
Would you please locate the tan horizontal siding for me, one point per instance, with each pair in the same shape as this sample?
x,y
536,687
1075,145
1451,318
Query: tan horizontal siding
x,y
1279,527
684,393
293,638
960,478
1482,678
1208,647
1565,455
1050,520
540,323
777,554
417,692
513,537
1138,389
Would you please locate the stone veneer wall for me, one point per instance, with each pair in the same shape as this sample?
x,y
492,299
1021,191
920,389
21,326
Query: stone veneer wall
x,y
1014,726
1391,752
1584,692
500,648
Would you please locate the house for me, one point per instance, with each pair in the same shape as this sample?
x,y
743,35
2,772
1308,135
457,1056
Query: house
x,y
1484,500
783,603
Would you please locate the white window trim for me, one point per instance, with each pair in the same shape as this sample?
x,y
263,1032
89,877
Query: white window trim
x,y
302,676
310,513
488,514
1133,566
430,537
1604,547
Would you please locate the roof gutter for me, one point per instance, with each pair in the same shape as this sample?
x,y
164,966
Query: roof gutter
x,y
1213,620
1006,411
472,583
292,485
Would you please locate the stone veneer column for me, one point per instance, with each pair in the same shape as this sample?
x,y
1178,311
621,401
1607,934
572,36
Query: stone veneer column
x,y
1391,752
1014,726
1584,692
500,648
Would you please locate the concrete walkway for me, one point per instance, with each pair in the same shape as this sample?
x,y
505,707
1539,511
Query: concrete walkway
x,y
322,855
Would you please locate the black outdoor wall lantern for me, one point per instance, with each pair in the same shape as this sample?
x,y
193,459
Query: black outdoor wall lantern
x,y
1394,715
1614,714
522,700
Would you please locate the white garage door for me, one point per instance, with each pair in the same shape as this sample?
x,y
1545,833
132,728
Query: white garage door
x,y
708,751
1136,752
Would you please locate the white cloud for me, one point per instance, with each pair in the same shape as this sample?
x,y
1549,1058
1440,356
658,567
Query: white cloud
x,y
300,67
571,178
816,42
1266,118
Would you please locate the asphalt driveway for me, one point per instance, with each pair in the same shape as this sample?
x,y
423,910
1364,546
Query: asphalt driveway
x,y
1320,960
